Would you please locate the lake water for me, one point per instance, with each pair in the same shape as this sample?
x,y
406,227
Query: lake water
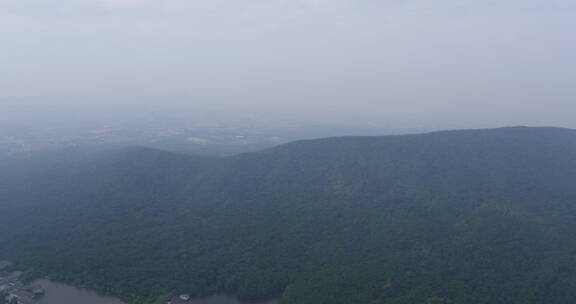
x,y
222,299
58,293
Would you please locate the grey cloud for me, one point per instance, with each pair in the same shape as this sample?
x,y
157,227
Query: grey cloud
x,y
422,62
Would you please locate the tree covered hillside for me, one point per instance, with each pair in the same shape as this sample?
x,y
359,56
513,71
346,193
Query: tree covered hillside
x,y
459,217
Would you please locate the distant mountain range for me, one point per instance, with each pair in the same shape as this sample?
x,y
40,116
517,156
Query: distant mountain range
x,y
455,217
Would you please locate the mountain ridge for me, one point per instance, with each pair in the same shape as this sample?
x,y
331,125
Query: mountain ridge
x,y
442,217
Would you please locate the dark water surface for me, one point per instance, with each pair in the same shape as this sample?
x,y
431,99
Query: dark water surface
x,y
222,299
58,293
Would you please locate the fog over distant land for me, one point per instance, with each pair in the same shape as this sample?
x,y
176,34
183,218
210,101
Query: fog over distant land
x,y
396,63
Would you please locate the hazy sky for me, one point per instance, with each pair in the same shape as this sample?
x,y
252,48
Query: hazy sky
x,y
400,63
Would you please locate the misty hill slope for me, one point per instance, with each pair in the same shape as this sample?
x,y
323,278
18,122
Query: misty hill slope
x,y
480,216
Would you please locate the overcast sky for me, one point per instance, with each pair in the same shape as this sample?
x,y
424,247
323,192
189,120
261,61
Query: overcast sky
x,y
398,63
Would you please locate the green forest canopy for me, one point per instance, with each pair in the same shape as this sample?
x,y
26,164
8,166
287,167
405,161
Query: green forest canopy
x,y
459,217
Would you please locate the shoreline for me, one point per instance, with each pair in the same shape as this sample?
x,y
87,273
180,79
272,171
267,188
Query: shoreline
x,y
45,290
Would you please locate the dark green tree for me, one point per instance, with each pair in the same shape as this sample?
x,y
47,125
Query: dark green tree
x,y
483,216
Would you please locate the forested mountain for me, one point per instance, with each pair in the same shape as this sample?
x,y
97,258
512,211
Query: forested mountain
x,y
459,217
